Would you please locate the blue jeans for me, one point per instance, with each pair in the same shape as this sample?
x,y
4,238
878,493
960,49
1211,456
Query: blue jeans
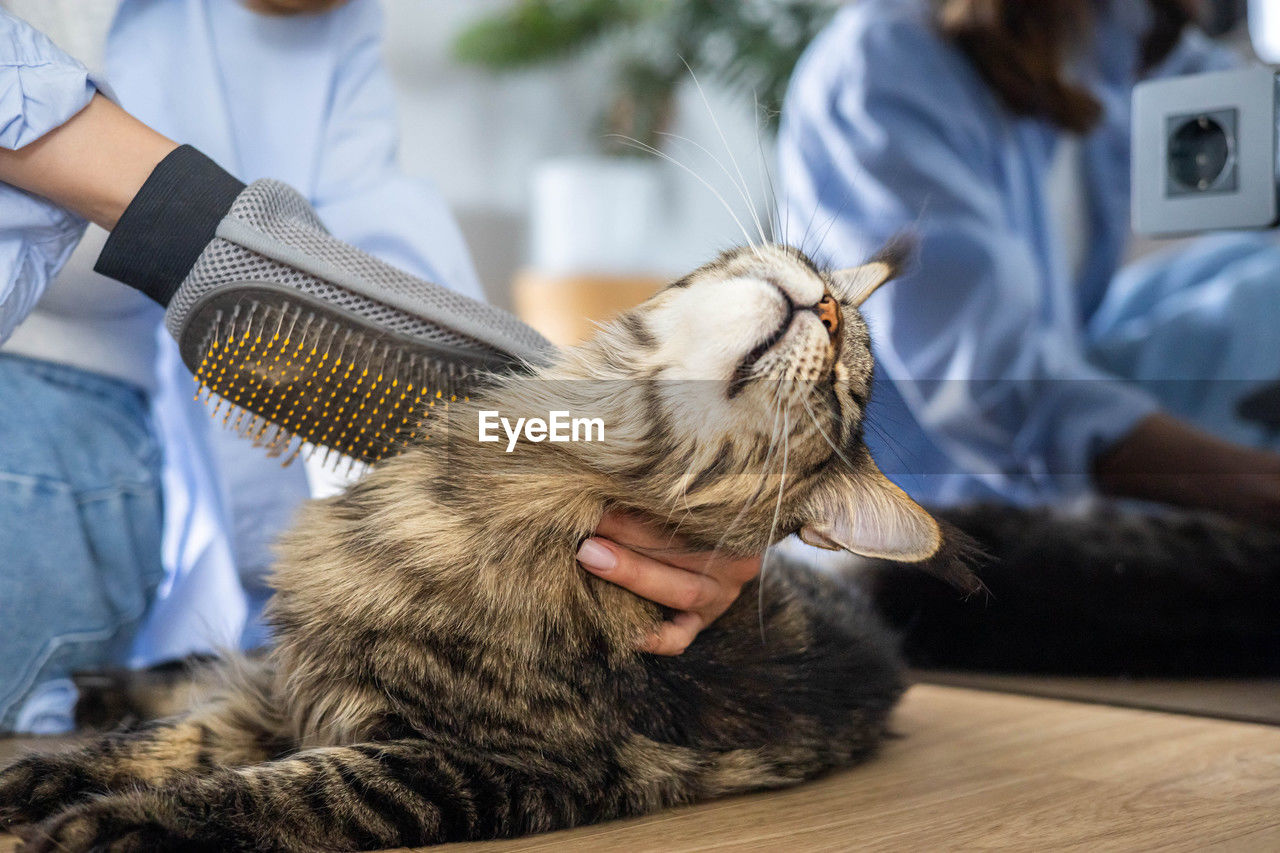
x,y
80,524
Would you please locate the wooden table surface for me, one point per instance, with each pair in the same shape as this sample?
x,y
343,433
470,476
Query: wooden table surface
x,y
977,770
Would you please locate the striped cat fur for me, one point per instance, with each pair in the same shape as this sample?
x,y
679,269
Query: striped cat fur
x,y
443,670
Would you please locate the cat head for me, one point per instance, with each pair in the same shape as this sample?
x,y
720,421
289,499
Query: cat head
x,y
732,405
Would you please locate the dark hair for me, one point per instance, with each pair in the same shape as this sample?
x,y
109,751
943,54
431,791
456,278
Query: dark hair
x,y
1020,49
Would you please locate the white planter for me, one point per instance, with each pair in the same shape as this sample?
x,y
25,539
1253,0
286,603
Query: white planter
x,y
597,216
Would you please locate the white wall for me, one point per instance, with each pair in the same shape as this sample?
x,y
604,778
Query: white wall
x,y
480,136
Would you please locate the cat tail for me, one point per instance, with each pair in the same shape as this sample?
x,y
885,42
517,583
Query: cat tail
x,y
411,792
237,723
112,698
400,793
1095,590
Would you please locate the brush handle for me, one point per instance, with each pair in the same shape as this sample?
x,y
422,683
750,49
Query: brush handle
x,y
302,338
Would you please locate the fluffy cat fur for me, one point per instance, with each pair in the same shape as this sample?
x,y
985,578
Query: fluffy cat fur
x,y
1099,589
443,669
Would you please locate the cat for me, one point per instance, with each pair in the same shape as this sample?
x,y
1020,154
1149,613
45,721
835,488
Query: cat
x,y
1095,589
109,698
444,671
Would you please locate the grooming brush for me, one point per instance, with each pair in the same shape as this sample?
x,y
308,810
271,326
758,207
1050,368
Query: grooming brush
x,y
296,338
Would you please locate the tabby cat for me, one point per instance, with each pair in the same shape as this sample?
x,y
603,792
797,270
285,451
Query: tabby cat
x,y
445,671
1094,589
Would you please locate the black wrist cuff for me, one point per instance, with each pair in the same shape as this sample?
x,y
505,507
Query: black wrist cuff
x,y
169,223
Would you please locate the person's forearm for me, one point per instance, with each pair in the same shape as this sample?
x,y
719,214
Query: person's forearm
x,y
1167,460
94,164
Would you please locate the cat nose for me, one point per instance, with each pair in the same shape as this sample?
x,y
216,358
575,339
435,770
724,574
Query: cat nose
x,y
828,311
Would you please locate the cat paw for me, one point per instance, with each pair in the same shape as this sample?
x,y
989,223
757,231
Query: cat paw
x,y
38,786
120,823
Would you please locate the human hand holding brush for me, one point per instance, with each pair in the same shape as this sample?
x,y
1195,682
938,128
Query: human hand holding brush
x,y
303,338
178,221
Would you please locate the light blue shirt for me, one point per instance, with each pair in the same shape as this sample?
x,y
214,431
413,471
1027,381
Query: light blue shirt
x,y
40,88
986,388
304,99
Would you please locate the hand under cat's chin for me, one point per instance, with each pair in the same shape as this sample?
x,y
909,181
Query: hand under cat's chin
x,y
437,675
699,585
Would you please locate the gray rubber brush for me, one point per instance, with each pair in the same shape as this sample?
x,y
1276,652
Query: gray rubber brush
x,y
303,337
297,338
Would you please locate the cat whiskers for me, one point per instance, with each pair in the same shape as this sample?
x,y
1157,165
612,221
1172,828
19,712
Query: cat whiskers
x,y
831,223
779,414
743,187
740,187
682,490
813,215
632,142
773,528
804,399
888,440
764,475
772,206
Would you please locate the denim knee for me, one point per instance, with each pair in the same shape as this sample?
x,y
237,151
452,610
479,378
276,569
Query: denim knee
x,y
80,521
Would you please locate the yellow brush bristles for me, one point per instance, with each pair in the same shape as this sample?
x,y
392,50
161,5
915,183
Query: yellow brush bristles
x,y
291,378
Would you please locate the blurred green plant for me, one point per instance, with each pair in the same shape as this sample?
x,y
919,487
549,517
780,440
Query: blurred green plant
x,y
749,46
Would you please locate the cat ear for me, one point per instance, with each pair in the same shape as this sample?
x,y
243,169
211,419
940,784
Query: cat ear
x,y
855,284
864,513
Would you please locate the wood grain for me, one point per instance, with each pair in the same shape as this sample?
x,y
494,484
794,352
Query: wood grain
x,y
992,771
988,771
1247,700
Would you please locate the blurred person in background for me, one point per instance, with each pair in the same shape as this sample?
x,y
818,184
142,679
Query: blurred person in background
x,y
133,533
124,515
1018,360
